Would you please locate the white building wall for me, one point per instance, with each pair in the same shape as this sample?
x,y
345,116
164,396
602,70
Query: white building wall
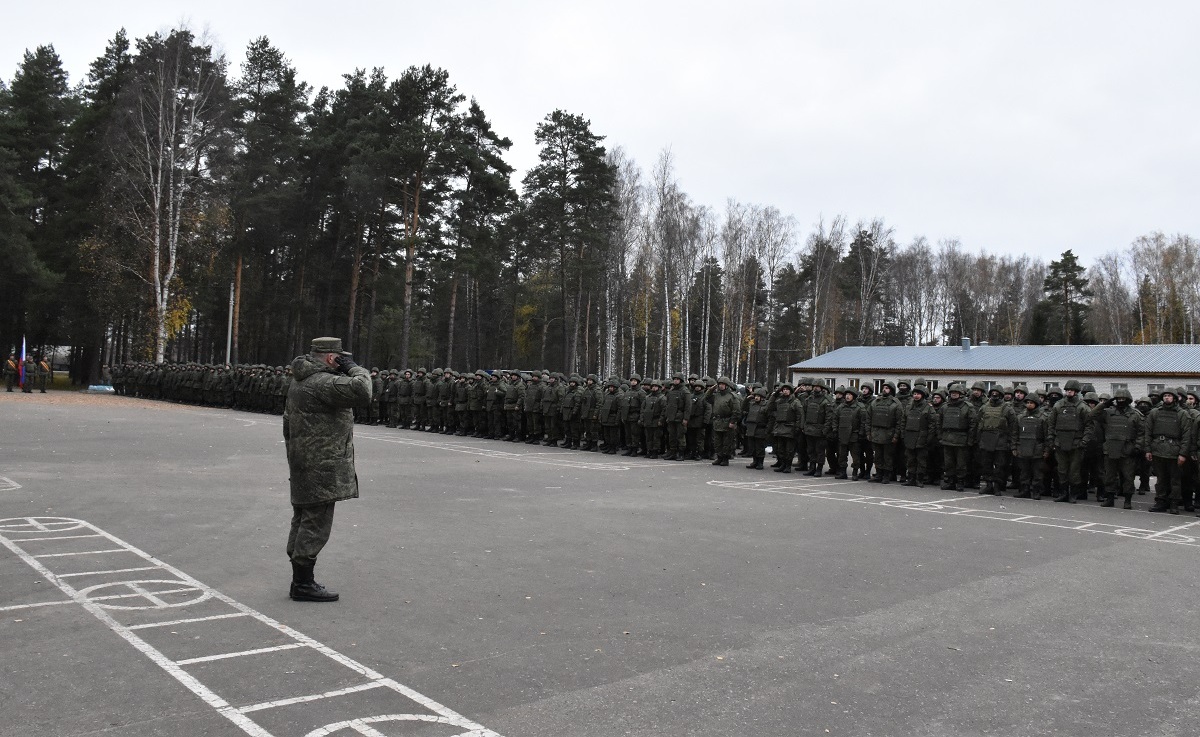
x,y
1137,385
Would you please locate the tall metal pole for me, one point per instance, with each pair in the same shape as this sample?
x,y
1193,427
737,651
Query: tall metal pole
x,y
229,329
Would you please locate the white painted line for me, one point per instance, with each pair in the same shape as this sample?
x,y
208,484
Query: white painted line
x,y
256,651
565,461
174,622
59,537
1174,529
7,484
1172,535
210,697
363,726
105,573
84,552
14,607
311,697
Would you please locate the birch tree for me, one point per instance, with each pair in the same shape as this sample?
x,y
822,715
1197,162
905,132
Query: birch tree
x,y
174,120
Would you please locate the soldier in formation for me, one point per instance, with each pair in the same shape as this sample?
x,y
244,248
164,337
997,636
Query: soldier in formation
x,y
1065,444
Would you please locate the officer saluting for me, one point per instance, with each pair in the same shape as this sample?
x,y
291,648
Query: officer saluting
x,y
318,430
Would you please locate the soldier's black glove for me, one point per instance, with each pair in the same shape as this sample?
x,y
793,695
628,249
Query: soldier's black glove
x,y
344,363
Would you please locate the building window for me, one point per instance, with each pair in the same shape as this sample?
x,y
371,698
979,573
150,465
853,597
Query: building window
x,y
1155,388
853,383
1192,387
831,382
1051,385
933,385
1115,387
879,386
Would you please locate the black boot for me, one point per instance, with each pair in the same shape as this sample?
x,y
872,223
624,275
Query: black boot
x,y
1128,501
1110,500
304,588
1024,493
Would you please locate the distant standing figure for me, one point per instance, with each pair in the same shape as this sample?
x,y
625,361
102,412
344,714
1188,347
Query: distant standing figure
x,y
12,369
318,431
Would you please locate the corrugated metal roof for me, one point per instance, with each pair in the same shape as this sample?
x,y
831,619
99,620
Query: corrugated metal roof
x,y
1019,359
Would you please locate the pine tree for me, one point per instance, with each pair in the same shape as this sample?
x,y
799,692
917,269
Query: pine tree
x,y
1068,294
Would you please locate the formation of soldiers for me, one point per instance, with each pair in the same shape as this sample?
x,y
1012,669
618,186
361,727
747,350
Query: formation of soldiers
x,y
38,373
1065,444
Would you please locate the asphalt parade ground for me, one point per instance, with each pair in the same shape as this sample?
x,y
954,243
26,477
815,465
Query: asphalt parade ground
x,y
492,588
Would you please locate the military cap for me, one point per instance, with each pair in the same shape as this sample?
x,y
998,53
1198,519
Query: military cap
x,y
326,345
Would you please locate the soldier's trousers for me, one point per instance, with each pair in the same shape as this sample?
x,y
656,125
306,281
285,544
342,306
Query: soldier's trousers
x,y
1167,491
954,463
883,459
1069,464
653,440
1118,475
756,448
676,437
816,451
695,439
310,530
854,452
496,422
784,446
867,448
593,430
574,427
916,460
1029,472
10,380
801,445
552,424
513,419
1187,484
479,418
723,439
634,436
533,424
994,466
612,437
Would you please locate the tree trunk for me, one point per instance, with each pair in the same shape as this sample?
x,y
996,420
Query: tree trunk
x,y
450,330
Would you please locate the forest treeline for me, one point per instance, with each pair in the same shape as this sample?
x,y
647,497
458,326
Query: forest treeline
x,y
169,195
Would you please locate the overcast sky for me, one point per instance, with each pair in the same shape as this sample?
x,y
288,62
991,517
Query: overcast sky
x,y
1015,127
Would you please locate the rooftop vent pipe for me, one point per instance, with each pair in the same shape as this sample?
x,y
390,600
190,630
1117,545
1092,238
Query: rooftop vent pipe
x,y
966,344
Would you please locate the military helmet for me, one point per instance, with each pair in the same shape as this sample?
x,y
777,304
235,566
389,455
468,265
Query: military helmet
x,y
724,380
635,377
1071,384
1091,397
760,392
818,384
956,387
1055,390
678,375
1143,400
709,381
593,377
997,389
1031,397
576,378
1180,393
422,370
978,385
891,385
805,381
850,390
903,383
1105,397
921,389
1123,393
1086,387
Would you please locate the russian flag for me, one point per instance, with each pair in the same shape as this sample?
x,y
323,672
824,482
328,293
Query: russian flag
x,y
21,367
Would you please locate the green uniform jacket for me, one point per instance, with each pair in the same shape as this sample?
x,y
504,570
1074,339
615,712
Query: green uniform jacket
x,y
727,408
886,417
318,431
